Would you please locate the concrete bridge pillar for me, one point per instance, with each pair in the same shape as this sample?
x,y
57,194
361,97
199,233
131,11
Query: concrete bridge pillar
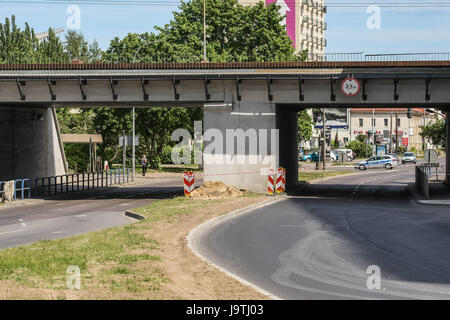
x,y
241,144
447,151
30,145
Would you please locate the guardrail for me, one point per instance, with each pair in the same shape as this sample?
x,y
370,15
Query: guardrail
x,y
21,186
49,186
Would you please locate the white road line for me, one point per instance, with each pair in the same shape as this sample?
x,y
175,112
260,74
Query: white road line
x,y
81,216
8,232
22,223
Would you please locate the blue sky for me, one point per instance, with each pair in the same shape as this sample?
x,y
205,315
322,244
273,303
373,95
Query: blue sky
x,y
402,29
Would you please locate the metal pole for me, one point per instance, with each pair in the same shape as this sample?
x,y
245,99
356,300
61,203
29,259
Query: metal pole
x,y
204,31
324,147
124,150
390,135
90,154
396,132
373,131
134,143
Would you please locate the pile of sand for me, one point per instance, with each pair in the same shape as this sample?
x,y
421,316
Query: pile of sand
x,y
216,189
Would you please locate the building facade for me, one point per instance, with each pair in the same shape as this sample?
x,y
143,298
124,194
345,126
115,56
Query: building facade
x,y
391,126
305,24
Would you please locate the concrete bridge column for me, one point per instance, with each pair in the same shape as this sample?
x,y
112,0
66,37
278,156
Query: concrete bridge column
x,y
30,146
447,151
251,123
287,124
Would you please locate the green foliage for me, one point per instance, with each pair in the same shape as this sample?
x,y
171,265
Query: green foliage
x,y
361,138
361,149
305,123
401,149
435,132
76,47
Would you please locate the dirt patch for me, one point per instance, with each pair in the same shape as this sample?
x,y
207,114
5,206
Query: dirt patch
x,y
216,190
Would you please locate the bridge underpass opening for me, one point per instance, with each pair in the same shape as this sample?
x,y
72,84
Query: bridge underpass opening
x,y
392,133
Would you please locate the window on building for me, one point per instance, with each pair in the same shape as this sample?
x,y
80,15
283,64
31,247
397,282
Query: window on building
x,y
361,122
386,122
398,122
374,122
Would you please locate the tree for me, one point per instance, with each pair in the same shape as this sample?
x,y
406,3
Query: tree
x,y
76,47
305,123
435,132
95,53
235,33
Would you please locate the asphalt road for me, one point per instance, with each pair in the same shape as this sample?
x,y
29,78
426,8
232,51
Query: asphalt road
x,y
321,240
79,213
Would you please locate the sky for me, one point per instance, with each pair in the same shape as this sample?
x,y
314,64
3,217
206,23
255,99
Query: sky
x,y
401,29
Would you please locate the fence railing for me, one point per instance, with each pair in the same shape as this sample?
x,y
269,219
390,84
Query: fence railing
x,y
49,186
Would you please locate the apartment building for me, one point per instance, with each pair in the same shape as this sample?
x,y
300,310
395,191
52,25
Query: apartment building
x,y
305,24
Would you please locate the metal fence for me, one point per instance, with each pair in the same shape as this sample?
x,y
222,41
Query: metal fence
x,y
422,182
384,57
50,186
22,189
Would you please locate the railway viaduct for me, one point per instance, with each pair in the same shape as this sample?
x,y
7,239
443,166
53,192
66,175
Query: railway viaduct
x,y
260,96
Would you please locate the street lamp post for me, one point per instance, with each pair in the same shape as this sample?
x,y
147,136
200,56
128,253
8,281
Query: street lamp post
x,y
204,31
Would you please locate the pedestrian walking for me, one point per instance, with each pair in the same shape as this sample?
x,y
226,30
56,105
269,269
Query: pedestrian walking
x,y
144,164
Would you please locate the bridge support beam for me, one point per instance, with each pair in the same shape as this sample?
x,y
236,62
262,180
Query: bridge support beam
x,y
252,124
447,151
287,124
30,146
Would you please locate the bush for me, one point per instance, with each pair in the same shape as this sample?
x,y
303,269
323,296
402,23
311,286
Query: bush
x,y
361,149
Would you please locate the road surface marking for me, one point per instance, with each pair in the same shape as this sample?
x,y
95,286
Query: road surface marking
x,y
22,223
8,232
81,216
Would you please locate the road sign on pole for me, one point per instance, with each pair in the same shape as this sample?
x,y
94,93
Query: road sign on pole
x,y
128,140
431,156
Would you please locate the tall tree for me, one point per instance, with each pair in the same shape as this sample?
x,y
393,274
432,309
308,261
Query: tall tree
x,y
76,46
95,53
435,132
304,123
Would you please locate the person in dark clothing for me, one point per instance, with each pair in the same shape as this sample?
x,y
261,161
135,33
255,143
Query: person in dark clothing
x,y
144,164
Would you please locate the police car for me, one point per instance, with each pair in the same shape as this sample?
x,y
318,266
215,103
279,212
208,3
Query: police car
x,y
387,162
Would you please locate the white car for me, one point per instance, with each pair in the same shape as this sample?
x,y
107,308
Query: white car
x,y
387,162
409,157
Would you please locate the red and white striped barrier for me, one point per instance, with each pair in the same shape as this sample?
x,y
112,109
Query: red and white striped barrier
x,y
271,182
281,180
189,182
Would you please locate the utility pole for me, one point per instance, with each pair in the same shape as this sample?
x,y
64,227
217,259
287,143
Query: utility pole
x,y
390,135
134,142
324,145
396,132
373,130
204,31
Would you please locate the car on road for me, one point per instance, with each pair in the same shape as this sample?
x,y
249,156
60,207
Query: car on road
x,y
310,157
349,152
387,162
409,157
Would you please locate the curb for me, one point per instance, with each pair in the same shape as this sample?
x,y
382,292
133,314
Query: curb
x,y
190,238
420,200
134,215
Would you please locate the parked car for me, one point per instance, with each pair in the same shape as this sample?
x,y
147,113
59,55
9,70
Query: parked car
x,y
386,161
409,157
311,157
349,152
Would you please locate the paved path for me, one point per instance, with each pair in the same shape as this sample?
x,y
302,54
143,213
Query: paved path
x,y
319,243
79,212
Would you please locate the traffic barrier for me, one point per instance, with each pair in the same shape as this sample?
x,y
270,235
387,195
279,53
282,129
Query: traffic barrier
x,y
281,180
189,182
271,182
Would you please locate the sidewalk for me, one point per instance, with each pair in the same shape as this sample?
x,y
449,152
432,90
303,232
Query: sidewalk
x,y
439,194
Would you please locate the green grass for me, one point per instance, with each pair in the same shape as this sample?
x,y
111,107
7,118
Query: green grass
x,y
44,264
308,176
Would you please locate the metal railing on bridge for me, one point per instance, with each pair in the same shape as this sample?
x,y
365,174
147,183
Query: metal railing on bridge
x,y
384,57
68,183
